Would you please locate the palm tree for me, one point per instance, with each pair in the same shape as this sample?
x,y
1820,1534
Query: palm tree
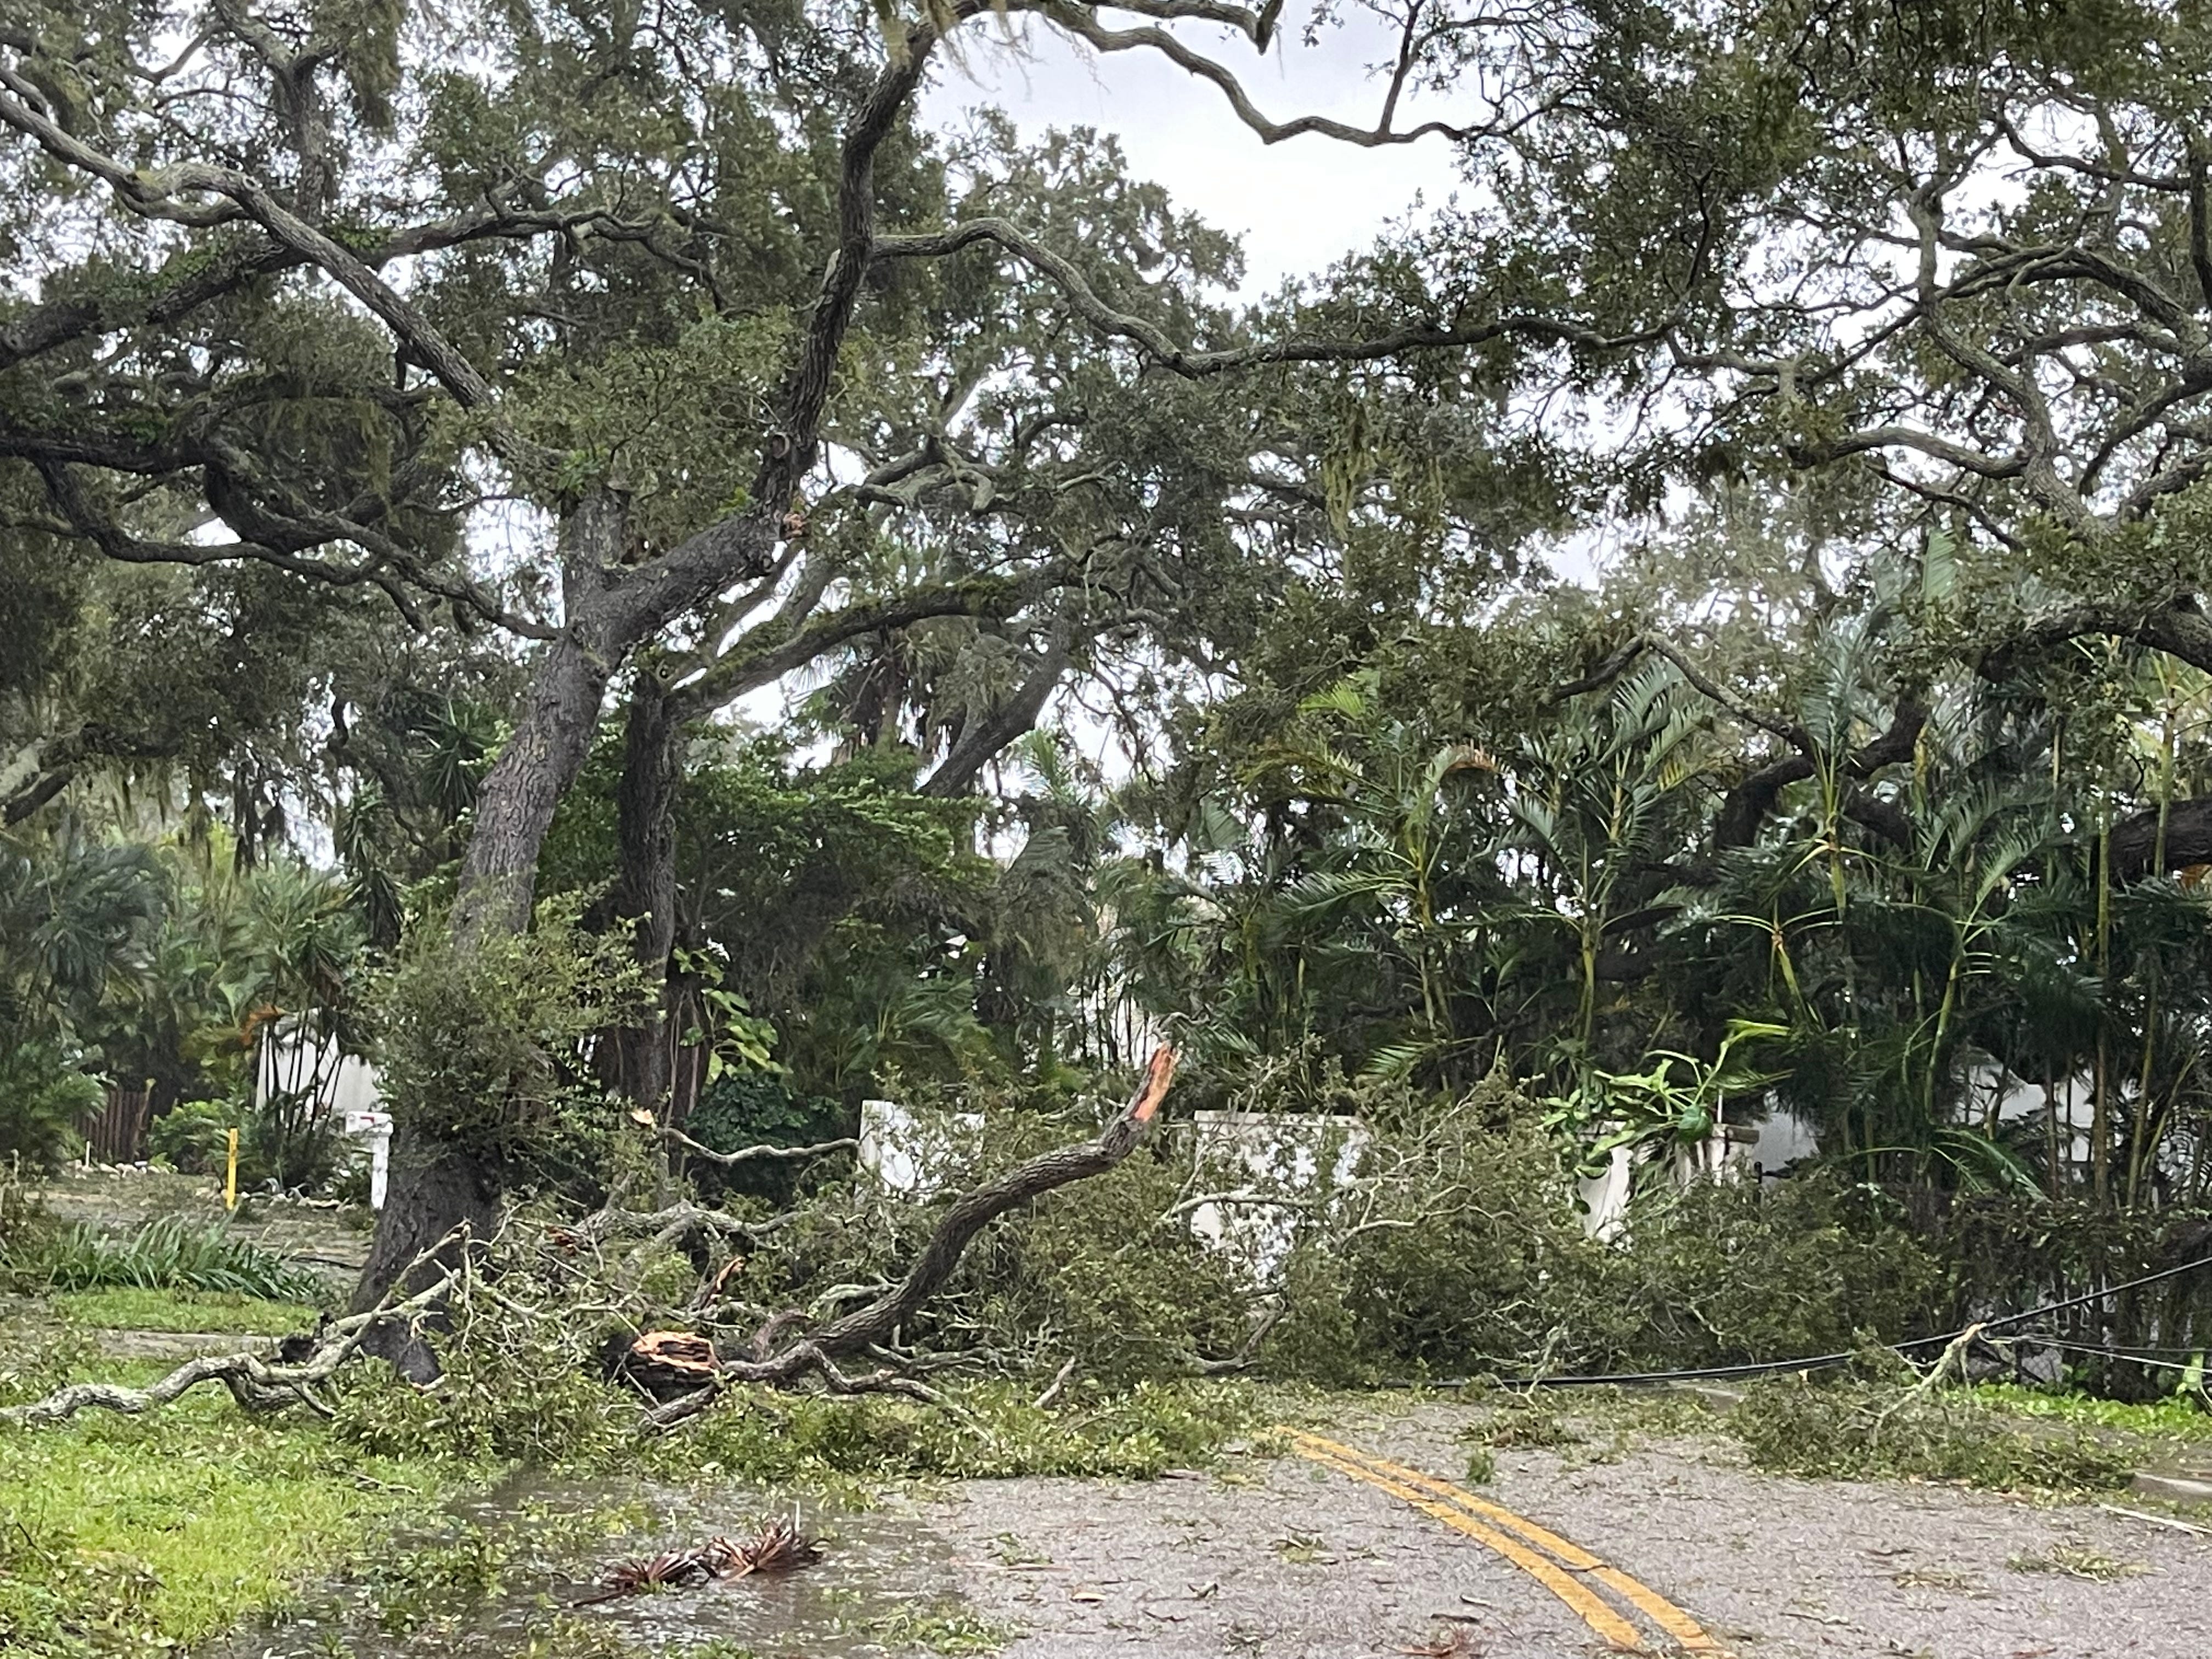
x,y
1604,804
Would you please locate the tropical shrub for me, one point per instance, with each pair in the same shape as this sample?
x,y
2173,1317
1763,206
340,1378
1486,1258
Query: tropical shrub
x,y
171,1253
754,1108
192,1136
42,1101
491,1049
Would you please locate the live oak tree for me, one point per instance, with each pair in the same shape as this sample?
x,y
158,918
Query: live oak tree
x,y
335,288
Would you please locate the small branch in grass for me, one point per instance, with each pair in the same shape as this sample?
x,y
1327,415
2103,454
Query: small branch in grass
x,y
1044,1401
255,1383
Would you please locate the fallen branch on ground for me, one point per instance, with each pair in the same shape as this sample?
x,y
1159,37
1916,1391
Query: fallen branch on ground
x,y
253,1382
752,1154
861,1332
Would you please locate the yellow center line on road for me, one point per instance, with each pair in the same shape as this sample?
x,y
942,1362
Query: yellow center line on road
x,y
1589,1608
1457,1507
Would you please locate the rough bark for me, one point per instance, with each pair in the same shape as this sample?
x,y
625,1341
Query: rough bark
x,y
438,1186
517,800
442,1199
645,886
2179,628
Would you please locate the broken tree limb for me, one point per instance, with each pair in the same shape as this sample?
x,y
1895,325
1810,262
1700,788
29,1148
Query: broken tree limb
x,y
255,1383
863,1331
975,1211
752,1154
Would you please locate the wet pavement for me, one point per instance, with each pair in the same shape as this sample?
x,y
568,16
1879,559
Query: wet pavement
x,y
1288,1559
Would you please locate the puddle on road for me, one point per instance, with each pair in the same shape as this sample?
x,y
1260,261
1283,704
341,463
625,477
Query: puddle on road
x,y
883,1575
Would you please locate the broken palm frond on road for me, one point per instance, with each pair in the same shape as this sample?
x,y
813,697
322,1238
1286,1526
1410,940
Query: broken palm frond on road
x,y
777,1547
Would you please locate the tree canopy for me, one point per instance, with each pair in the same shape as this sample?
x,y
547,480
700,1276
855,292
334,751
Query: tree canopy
x,y
1709,619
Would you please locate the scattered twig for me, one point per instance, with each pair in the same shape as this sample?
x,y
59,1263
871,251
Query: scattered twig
x,y
2158,1520
753,1154
1051,1393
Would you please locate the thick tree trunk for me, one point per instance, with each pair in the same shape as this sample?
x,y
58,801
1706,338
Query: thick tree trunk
x,y
436,1184
435,1187
609,610
517,800
645,890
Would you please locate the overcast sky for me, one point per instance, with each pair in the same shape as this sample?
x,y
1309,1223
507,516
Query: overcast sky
x,y
1297,205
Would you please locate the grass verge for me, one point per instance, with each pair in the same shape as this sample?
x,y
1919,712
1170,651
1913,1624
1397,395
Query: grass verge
x,y
124,1536
131,1308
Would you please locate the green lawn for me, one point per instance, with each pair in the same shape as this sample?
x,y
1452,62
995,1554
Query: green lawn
x,y
2178,1417
144,1535
124,1308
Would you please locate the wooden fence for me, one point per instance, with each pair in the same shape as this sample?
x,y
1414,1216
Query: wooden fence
x,y
117,1132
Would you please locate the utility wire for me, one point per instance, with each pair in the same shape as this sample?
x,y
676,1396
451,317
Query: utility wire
x,y
1805,1361
2134,1357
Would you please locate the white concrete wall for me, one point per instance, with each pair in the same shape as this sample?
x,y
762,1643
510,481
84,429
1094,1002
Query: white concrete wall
x,y
345,1089
911,1155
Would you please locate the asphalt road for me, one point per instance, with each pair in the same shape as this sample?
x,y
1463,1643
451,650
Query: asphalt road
x,y
1331,1555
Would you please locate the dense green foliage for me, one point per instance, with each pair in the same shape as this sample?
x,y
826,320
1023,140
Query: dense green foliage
x,y
488,1047
1117,658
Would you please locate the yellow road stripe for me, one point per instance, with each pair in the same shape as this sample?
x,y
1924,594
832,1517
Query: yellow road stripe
x,y
1669,1618
1686,1631
1586,1607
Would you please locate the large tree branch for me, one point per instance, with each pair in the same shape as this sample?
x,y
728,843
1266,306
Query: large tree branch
x,y
871,1328
1750,803
154,193
755,661
2178,627
209,275
2154,841
1296,349
36,793
881,1319
1082,22
285,539
253,1382
985,739
742,547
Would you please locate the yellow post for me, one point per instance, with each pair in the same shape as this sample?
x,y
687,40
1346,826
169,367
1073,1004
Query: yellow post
x,y
230,1175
